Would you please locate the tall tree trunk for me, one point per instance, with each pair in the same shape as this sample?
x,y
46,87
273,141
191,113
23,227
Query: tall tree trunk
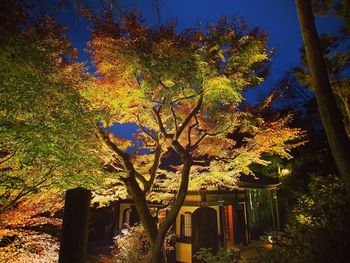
x,y
330,114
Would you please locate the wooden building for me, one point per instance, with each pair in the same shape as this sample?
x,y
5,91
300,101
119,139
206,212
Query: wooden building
x,y
213,217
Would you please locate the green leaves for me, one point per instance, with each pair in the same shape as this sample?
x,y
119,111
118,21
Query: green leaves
x,y
45,129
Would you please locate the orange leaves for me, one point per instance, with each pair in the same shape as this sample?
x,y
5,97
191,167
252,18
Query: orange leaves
x,y
29,211
276,138
122,143
186,88
28,247
215,146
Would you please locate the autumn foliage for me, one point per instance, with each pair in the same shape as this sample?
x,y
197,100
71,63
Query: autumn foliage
x,y
184,91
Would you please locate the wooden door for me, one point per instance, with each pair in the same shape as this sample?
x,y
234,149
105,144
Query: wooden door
x,y
240,225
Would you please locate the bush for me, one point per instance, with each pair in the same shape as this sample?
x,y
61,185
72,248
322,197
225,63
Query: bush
x,y
132,245
206,255
318,228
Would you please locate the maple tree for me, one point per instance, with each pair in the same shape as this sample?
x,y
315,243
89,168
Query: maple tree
x,y
46,140
183,91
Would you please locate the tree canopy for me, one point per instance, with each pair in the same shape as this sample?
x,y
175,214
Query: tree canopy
x,y
183,90
46,139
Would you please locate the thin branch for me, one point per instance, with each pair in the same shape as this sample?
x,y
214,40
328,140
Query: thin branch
x,y
103,6
160,123
192,148
141,178
174,117
24,192
105,139
189,117
8,158
138,81
205,163
162,84
184,98
208,134
167,204
125,156
189,135
143,128
153,170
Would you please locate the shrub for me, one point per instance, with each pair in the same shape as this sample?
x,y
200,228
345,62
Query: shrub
x,y
223,256
318,228
132,245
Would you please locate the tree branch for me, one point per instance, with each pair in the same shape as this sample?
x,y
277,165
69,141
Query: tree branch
x,y
184,98
198,142
175,118
8,158
189,117
148,133
163,85
154,168
125,156
160,123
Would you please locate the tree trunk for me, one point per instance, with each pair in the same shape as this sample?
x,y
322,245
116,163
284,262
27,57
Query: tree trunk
x,y
148,221
158,253
330,114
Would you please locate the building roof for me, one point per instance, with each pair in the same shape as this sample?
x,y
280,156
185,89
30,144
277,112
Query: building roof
x,y
257,181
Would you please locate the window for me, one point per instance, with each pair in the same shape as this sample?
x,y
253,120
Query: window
x,y
186,225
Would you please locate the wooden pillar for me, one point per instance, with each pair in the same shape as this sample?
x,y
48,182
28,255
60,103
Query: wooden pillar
x,y
272,209
75,226
204,231
277,210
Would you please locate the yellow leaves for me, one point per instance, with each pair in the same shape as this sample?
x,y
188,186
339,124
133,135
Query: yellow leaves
x,y
221,55
220,91
110,189
168,83
304,219
167,72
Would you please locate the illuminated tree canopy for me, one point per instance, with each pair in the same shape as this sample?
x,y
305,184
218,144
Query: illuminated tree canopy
x,y
184,91
46,139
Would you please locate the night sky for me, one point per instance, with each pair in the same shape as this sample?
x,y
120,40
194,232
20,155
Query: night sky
x,y
276,17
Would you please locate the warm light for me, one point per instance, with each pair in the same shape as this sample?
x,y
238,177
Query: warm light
x,y
269,238
285,172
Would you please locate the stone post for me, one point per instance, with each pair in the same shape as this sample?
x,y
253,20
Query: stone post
x,y
75,226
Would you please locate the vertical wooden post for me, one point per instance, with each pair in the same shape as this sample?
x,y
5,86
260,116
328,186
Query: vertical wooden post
x,y
277,210
270,195
75,226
